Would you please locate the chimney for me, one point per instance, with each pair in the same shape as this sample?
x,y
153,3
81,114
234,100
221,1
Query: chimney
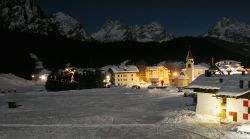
x,y
242,72
221,80
208,73
241,84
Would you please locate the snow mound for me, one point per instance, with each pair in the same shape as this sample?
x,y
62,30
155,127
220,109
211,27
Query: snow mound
x,y
10,82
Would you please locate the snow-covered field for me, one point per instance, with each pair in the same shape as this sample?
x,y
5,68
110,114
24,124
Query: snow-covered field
x,y
106,113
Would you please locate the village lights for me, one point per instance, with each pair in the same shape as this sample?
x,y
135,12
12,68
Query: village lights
x,y
32,76
175,74
108,77
43,78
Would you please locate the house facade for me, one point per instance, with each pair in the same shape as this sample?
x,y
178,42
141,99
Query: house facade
x,y
223,96
124,76
157,75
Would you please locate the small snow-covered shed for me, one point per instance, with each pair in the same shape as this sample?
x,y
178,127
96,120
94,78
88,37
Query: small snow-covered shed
x,y
224,96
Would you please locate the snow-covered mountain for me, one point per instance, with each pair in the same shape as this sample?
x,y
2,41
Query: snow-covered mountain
x,y
230,30
26,16
114,31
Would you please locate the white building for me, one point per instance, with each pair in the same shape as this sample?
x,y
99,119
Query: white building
x,y
223,96
124,75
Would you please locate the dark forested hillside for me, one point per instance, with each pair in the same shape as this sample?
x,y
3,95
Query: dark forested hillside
x,y
57,51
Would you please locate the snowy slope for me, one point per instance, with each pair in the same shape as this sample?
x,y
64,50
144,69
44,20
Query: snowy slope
x,y
230,30
114,31
10,82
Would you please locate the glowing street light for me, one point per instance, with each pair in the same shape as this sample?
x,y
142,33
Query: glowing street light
x,y
217,111
43,78
175,74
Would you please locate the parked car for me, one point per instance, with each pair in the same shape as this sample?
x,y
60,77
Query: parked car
x,y
136,87
188,93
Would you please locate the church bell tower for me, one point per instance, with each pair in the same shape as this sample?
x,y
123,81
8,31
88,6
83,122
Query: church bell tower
x,y
190,66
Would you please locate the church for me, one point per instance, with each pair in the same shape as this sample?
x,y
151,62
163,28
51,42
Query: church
x,y
189,73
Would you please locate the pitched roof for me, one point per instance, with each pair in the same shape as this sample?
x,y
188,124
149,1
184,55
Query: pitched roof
x,y
155,67
124,69
229,87
232,86
189,56
213,82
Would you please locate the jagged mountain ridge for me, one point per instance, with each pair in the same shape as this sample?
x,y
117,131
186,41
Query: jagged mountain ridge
x,y
114,31
230,30
27,16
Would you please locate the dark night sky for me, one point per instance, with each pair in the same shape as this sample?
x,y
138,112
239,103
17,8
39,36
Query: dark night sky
x,y
180,17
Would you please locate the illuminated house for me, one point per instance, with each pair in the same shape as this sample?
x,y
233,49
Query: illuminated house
x,y
124,75
223,96
157,75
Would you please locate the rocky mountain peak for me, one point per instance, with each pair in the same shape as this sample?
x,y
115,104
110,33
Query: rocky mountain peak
x,y
16,14
115,31
230,30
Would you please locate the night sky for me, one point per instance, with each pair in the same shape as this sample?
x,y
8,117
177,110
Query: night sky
x,y
180,17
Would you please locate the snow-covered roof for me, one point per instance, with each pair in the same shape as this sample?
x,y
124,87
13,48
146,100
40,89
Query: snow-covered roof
x,y
124,69
209,82
230,86
228,62
152,68
200,67
155,67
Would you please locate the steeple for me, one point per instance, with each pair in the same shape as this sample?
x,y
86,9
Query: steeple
x,y
189,56
190,66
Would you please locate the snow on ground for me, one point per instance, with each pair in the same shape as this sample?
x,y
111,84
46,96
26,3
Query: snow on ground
x,y
106,113
12,83
244,128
